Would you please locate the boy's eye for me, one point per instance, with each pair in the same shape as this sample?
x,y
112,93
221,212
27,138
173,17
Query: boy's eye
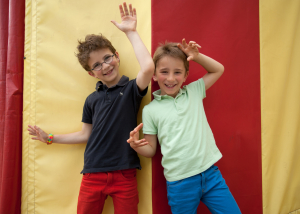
x,y
106,58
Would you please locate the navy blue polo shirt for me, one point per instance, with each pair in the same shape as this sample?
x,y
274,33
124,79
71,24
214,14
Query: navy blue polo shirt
x,y
113,114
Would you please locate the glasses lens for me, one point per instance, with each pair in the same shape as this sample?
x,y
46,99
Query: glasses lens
x,y
98,67
108,59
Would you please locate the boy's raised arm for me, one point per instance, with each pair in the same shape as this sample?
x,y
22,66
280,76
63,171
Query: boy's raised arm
x,y
128,26
214,69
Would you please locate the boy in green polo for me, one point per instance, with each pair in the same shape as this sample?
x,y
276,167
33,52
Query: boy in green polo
x,y
176,117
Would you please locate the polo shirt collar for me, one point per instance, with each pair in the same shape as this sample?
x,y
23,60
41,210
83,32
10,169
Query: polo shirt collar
x,y
123,81
157,96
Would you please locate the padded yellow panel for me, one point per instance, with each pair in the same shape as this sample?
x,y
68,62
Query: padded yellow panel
x,y
295,212
280,104
55,88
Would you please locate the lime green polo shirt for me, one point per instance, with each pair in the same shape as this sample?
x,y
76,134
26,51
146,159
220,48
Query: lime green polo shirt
x,y
187,142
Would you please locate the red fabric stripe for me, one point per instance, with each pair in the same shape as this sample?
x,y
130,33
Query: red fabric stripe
x,y
228,31
3,60
11,56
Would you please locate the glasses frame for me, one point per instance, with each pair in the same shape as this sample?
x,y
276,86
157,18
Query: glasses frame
x,y
112,56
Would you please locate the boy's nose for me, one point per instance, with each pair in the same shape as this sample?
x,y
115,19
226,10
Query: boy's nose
x,y
170,77
104,66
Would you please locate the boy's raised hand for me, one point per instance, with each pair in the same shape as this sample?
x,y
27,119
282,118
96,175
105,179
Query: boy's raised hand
x,y
129,20
191,49
134,138
38,133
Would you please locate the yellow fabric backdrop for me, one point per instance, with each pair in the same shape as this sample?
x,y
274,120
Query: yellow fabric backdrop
x,y
55,88
280,105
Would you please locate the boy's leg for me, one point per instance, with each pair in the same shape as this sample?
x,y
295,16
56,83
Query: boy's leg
x,y
124,191
216,195
91,196
184,195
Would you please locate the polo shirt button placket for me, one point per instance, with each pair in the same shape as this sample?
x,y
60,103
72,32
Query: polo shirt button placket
x,y
107,96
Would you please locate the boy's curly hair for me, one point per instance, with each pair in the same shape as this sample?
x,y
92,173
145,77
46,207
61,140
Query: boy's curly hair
x,y
170,49
92,43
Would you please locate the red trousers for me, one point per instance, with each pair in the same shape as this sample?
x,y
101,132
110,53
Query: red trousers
x,y
121,185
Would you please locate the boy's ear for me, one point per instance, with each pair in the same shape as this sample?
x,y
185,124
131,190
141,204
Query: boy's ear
x,y
91,73
117,55
186,75
154,78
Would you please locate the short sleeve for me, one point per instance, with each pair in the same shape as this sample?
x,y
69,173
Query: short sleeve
x,y
149,126
87,116
138,96
199,87
137,90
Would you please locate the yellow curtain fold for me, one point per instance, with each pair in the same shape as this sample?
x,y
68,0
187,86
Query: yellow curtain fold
x,y
280,105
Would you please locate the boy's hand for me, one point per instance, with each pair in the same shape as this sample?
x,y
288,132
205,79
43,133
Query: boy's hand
x,y
128,19
38,133
191,49
134,138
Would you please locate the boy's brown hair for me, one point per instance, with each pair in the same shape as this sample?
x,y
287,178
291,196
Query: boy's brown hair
x,y
170,49
92,43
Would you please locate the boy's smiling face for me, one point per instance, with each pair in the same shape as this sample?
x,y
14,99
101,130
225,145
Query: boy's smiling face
x,y
109,74
170,74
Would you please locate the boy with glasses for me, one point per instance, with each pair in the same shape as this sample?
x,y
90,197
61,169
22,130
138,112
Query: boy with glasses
x,y
109,114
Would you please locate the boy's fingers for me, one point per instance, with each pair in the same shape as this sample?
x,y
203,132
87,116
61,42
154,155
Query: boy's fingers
x,y
184,43
132,133
180,46
125,9
115,23
198,46
130,9
134,12
121,10
143,144
138,128
32,133
139,142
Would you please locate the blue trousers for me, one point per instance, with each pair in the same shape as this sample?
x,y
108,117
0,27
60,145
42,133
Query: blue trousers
x,y
209,187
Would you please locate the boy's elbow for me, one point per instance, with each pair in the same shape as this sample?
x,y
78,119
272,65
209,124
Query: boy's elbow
x,y
150,68
149,155
222,69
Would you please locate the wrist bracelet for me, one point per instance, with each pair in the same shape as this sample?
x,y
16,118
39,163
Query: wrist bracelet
x,y
50,139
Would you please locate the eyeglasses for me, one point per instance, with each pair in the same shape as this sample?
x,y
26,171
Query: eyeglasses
x,y
107,60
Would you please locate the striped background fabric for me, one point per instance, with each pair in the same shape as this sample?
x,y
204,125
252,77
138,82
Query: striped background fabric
x,y
253,109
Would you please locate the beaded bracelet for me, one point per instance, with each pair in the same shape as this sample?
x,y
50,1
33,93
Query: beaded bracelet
x,y
50,139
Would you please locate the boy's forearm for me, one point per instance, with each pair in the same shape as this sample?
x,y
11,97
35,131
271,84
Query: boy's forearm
x,y
76,137
72,138
146,151
209,64
142,54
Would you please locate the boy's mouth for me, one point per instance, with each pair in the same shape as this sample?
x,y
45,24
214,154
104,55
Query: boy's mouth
x,y
170,86
109,72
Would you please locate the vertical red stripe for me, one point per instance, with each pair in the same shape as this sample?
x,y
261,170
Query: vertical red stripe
x,y
12,42
228,31
3,59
